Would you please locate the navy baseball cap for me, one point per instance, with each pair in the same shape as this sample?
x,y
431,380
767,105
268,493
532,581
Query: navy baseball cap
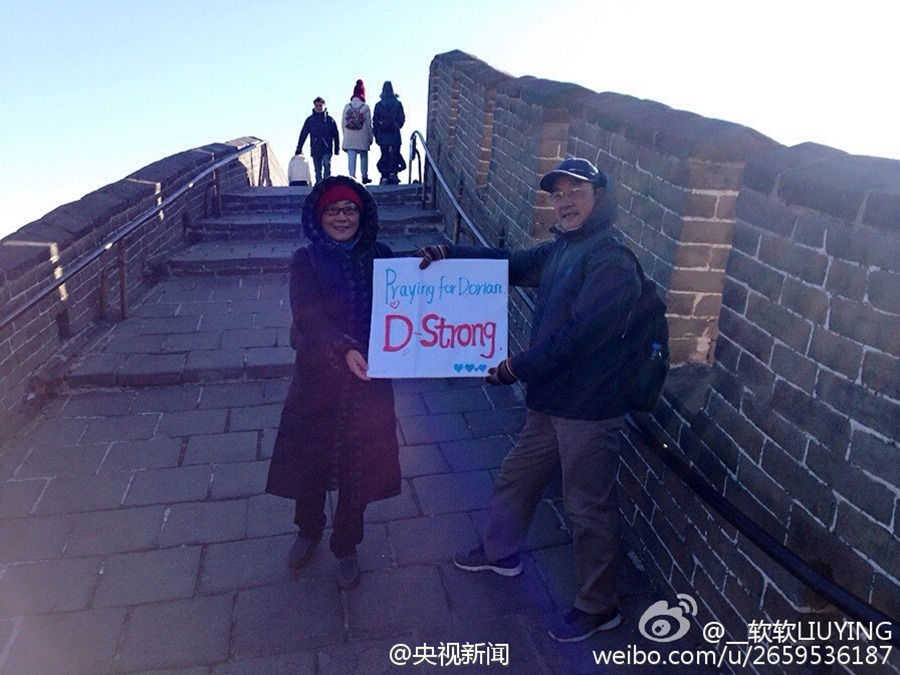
x,y
580,169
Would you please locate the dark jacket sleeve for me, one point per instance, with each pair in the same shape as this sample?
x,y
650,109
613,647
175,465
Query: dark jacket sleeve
x,y
401,116
304,132
336,140
312,333
611,285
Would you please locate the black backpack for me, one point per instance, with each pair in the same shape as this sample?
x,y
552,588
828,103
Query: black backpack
x,y
646,338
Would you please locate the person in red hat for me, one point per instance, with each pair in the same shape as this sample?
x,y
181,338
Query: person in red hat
x,y
357,127
338,426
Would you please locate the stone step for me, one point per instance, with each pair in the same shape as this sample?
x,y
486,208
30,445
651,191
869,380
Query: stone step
x,y
223,314
392,219
262,256
289,199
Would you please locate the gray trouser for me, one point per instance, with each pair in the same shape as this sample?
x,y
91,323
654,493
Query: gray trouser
x,y
588,452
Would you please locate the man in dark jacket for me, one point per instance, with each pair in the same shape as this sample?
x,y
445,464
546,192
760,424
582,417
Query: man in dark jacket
x,y
323,138
573,372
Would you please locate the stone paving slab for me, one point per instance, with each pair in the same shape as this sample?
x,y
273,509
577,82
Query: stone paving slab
x,y
165,533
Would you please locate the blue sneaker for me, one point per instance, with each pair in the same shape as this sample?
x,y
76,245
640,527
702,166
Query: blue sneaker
x,y
575,625
476,560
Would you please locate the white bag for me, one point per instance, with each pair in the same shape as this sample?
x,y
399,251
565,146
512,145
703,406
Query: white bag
x,y
298,171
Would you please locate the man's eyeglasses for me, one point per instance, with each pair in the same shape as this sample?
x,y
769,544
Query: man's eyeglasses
x,y
574,193
349,210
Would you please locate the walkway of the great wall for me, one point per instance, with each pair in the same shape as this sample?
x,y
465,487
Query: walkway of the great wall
x,y
135,535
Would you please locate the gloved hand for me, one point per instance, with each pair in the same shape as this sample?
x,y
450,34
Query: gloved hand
x,y
431,253
502,374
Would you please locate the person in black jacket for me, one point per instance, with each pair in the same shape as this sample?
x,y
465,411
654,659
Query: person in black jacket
x,y
338,426
573,372
323,138
387,120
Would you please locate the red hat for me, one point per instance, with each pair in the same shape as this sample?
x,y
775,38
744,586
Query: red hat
x,y
336,193
360,91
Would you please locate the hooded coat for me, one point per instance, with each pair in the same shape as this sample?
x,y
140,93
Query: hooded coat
x,y
586,284
334,424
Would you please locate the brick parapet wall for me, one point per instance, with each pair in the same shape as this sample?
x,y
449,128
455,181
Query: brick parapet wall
x,y
779,266
34,254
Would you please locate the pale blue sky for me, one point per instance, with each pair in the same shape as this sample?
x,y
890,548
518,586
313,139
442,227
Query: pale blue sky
x,y
92,90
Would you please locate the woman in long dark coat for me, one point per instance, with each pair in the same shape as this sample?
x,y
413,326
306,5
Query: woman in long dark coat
x,y
337,428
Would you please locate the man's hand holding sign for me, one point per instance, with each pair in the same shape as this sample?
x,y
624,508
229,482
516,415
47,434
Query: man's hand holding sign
x,y
447,320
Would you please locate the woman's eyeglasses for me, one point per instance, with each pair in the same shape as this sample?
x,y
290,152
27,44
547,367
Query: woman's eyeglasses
x,y
349,210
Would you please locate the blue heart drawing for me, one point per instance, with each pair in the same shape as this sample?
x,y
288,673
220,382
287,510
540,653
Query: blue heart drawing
x,y
481,368
470,367
458,367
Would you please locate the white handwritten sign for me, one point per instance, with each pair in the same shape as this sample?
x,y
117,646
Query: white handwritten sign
x,y
448,320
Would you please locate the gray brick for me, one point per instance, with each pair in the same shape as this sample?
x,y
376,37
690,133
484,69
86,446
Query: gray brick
x,y
496,422
192,422
76,642
268,515
215,364
88,404
84,493
881,374
788,436
413,540
415,460
456,401
217,448
376,609
204,522
453,493
47,586
189,342
865,535
121,428
807,301
243,479
240,565
166,399
243,338
874,412
150,454
255,417
148,576
55,432
434,429
865,245
808,265
759,277
847,280
836,352
66,460
289,617
746,335
233,395
866,325
782,324
829,427
150,370
18,497
813,490
116,531
876,456
165,486
270,361
796,369
884,291
194,632
863,492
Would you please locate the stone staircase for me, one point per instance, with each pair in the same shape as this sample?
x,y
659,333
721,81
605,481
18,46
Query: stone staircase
x,y
220,309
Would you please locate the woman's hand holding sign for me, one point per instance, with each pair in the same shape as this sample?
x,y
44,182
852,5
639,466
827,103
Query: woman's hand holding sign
x,y
357,364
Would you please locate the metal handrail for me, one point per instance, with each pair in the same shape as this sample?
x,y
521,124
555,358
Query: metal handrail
x,y
118,236
432,164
